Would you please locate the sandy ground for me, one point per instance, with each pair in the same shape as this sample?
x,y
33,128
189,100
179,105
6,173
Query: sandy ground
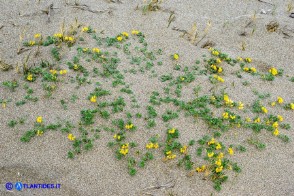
x,y
97,172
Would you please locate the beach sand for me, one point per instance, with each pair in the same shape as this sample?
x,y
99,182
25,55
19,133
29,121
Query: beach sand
x,y
98,172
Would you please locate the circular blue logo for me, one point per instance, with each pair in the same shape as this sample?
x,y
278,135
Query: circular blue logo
x,y
18,186
9,186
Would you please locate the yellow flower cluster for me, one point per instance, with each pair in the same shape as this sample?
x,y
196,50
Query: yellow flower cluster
x,y
63,71
227,100
276,132
250,69
219,169
292,106
220,79
30,77
280,100
215,52
273,71
135,32
176,56
71,137
76,67
39,119
172,131
230,151
257,120
184,149
85,29
241,106
93,99
217,147
39,132
201,169
210,154
95,50
129,126
116,136
68,38
58,35
248,60
169,155
218,69
38,35
31,43
152,145
124,149
125,34
263,109
119,38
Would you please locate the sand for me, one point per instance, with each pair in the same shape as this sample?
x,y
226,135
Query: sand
x,y
97,172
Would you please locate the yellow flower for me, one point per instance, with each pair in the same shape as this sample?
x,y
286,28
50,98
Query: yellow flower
x,y
213,67
248,60
218,146
184,149
130,126
280,100
53,71
220,155
264,110
241,106
85,49
172,156
212,141
171,131
257,120
124,151
276,132
85,29
292,106
239,59
273,103
61,72
168,152
273,71
220,79
71,137
135,32
149,145
39,133
219,169
93,99
182,78
37,35
119,38
71,39
232,117
115,136
39,119
230,151
248,119
59,35
31,43
155,145
253,69
218,60
275,125
75,67
125,34
218,162
210,154
215,53
220,70
280,118
246,69
30,77
96,50
176,56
